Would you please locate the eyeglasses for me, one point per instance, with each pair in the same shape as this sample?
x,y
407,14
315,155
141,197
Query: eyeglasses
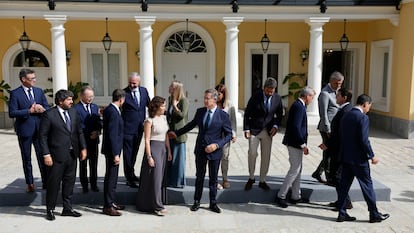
x,y
30,79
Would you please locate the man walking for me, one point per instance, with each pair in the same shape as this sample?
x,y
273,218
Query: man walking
x,y
27,103
262,118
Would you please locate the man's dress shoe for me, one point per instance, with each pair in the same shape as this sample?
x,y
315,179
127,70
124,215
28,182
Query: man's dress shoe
x,y
249,184
30,188
318,178
117,206
50,215
195,206
300,200
264,186
378,218
345,218
131,184
281,202
215,208
73,213
111,211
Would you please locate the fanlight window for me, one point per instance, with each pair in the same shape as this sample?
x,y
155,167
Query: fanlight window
x,y
175,43
30,58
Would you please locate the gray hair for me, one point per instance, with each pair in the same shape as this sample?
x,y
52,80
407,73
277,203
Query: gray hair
x,y
270,83
337,76
134,74
213,93
306,91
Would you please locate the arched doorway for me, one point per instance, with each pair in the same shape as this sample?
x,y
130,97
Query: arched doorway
x,y
195,69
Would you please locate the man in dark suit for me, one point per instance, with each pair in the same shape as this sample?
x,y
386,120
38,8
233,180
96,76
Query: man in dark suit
x,y
343,99
27,103
214,131
91,125
111,147
354,154
327,109
61,142
262,118
133,114
295,139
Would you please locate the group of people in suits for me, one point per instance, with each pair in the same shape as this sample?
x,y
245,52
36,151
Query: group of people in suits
x,y
61,135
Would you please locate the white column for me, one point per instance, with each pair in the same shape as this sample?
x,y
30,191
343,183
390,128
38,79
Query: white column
x,y
232,59
146,52
59,71
315,64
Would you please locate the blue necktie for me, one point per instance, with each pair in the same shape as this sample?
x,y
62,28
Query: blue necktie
x,y
29,92
207,122
136,97
67,120
268,104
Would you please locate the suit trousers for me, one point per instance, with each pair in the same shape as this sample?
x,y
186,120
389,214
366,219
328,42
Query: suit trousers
x,y
363,175
130,151
110,181
25,144
292,179
324,164
213,167
265,141
92,149
225,160
61,172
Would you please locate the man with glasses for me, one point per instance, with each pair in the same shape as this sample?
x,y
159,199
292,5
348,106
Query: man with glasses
x,y
26,105
91,125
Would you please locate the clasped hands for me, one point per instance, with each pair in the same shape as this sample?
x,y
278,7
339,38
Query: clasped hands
x,y
36,108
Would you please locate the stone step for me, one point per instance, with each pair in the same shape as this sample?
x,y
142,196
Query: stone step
x,y
14,194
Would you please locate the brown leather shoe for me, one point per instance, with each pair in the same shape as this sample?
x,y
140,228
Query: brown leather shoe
x,y
30,188
226,184
111,211
249,185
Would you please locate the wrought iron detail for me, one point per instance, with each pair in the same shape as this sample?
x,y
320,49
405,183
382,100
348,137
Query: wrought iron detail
x,y
175,43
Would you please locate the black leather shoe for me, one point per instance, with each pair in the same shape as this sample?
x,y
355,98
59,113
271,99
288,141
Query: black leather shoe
x,y
345,218
95,188
318,177
72,213
378,218
117,206
264,186
215,208
249,185
50,215
300,200
281,202
131,184
135,178
195,206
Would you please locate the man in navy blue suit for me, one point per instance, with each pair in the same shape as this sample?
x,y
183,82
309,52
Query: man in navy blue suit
x,y
133,114
91,125
295,139
354,154
214,131
27,103
111,148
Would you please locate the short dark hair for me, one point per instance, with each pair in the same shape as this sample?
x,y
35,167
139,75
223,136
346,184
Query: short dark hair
x,y
24,72
270,82
344,92
118,94
61,95
154,105
362,99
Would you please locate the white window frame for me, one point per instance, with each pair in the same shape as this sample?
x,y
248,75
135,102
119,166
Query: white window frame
x,y
376,74
97,47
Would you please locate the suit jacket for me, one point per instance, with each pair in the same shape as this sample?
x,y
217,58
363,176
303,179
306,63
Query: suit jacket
x,y
133,115
333,141
297,126
256,116
26,124
327,108
355,148
219,131
55,139
177,120
89,122
113,131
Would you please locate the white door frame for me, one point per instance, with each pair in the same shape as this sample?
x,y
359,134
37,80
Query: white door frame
x,y
211,52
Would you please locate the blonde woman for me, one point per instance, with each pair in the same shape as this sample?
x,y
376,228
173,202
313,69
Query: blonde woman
x,y
177,116
224,104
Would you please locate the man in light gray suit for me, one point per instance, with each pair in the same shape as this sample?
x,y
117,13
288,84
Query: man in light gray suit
x,y
327,110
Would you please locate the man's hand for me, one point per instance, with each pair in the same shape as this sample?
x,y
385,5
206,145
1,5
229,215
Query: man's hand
x,y
233,139
48,160
39,108
273,132
83,154
323,146
374,160
247,135
117,159
94,135
305,150
211,148
171,135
